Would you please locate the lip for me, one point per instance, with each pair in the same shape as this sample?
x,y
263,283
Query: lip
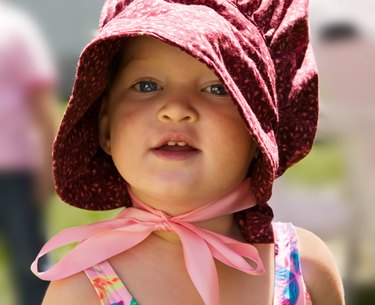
x,y
175,155
175,137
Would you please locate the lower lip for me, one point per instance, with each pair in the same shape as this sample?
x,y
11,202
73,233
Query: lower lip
x,y
176,155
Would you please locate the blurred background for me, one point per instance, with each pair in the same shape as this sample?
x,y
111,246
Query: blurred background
x,y
331,192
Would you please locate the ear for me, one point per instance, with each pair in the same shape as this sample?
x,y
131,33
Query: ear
x,y
256,152
103,128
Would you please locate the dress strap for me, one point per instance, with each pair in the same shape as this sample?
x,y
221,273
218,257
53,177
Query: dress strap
x,y
290,287
108,286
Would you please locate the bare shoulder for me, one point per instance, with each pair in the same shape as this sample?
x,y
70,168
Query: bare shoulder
x,y
73,290
319,270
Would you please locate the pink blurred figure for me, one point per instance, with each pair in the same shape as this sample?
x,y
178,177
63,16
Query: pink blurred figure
x,y
27,128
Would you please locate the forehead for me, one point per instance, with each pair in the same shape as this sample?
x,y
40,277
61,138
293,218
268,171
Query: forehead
x,y
143,47
146,50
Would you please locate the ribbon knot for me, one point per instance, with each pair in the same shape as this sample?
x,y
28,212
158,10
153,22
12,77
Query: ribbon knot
x,y
133,225
165,224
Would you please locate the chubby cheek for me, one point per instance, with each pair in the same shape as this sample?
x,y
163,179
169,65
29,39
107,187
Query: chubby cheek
x,y
126,139
120,156
235,148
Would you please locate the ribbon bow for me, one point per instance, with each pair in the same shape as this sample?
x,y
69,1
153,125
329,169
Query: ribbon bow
x,y
102,240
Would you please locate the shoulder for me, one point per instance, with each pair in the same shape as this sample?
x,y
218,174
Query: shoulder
x,y
73,290
320,272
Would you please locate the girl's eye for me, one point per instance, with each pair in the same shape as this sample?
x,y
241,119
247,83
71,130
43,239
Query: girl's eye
x,y
147,86
216,89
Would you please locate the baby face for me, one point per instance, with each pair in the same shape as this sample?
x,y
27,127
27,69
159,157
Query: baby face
x,y
173,132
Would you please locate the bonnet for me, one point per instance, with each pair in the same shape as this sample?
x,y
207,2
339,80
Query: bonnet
x,y
259,48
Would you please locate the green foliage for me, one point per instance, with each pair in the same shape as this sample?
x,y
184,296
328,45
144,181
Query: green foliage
x,y
324,165
61,216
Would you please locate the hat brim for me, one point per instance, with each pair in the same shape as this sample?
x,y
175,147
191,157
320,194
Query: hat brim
x,y
84,174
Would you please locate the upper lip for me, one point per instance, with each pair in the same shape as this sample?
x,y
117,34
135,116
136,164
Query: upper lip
x,y
177,138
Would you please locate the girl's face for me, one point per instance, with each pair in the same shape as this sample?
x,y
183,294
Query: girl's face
x,y
174,134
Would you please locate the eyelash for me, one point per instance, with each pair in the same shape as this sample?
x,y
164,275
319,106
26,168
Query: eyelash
x,y
220,87
220,90
138,85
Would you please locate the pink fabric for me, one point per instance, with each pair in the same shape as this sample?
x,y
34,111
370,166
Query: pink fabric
x,y
133,225
24,65
289,285
290,288
108,285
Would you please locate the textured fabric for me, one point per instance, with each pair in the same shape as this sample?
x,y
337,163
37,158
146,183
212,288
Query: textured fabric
x,y
259,49
289,286
108,286
290,289
133,225
24,65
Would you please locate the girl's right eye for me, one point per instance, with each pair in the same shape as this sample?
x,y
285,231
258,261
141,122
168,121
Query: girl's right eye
x,y
147,86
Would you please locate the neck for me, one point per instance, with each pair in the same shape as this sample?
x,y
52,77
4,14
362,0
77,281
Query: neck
x,y
170,205
188,201
215,216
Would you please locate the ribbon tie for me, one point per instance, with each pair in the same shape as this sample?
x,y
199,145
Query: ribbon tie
x,y
100,241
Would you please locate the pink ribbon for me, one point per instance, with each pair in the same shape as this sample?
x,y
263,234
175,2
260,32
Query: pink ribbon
x,y
99,241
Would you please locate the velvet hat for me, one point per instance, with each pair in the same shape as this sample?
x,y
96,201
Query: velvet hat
x,y
260,49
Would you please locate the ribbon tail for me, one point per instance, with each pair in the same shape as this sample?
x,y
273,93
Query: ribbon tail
x,y
200,265
230,251
93,250
73,235
250,252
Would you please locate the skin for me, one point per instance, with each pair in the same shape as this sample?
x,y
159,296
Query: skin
x,y
319,269
153,99
186,101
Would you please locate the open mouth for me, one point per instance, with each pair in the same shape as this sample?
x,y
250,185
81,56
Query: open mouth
x,y
176,146
177,150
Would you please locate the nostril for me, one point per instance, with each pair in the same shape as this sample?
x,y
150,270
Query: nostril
x,y
177,112
177,118
188,118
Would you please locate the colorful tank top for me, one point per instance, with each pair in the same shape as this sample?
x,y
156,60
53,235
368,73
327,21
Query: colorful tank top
x,y
290,288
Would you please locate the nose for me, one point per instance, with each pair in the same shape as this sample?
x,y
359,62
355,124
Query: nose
x,y
178,109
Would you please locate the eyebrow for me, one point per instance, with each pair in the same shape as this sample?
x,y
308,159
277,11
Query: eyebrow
x,y
138,65
133,62
118,64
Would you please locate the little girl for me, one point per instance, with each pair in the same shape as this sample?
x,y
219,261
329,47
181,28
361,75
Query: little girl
x,y
185,112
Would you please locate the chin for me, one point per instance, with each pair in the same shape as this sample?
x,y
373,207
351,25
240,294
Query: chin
x,y
173,189
171,195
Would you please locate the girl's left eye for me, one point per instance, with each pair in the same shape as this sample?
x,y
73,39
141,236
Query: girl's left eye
x,y
217,89
147,86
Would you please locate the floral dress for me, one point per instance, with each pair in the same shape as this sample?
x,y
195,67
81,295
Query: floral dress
x,y
290,288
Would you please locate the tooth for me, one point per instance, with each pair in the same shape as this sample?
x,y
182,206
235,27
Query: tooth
x,y
171,143
181,143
